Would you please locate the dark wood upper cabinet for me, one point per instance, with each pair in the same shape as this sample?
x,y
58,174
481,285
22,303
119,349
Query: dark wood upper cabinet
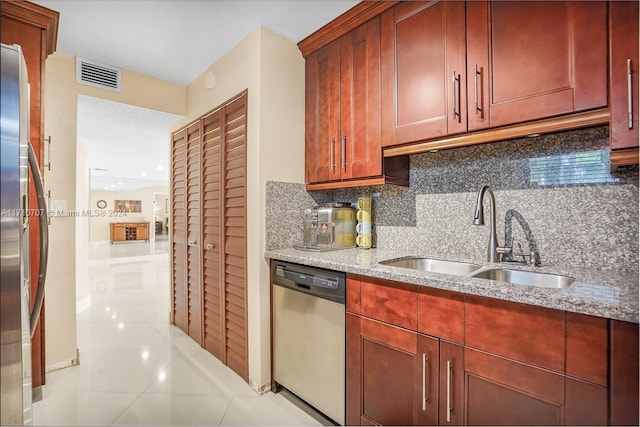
x,y
423,71
343,107
453,67
322,105
623,68
531,60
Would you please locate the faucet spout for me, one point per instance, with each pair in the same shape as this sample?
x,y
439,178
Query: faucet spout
x,y
493,248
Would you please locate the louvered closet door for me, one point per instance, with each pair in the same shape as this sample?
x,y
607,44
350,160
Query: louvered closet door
x,y
211,242
178,229
194,272
234,216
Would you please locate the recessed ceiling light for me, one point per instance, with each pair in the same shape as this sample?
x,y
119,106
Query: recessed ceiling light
x,y
143,174
160,167
120,183
112,186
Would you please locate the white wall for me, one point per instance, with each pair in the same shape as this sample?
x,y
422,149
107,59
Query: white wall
x,y
69,192
99,225
272,69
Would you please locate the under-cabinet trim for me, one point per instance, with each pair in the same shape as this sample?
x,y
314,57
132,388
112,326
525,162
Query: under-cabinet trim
x,y
624,157
556,124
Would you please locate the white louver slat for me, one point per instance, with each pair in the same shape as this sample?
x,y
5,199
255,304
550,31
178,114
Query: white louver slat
x,y
93,73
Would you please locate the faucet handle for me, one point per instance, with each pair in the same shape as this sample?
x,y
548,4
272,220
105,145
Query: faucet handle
x,y
534,259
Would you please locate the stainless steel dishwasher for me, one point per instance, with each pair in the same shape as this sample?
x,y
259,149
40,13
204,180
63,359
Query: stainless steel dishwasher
x,y
309,335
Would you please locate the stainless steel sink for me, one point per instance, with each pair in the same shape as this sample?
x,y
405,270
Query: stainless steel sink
x,y
433,265
530,278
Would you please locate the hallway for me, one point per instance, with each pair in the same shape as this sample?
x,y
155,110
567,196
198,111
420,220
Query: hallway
x,y
137,369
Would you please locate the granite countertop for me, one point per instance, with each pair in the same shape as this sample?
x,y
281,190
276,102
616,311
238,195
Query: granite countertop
x,y
608,294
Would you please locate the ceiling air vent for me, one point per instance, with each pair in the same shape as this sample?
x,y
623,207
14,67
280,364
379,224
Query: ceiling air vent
x,y
92,73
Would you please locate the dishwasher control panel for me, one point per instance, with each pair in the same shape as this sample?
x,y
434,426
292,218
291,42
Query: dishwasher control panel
x,y
316,281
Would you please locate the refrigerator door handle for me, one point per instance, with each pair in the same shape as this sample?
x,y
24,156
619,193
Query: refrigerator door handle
x,y
43,218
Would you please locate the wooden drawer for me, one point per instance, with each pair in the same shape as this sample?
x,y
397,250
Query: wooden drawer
x,y
518,331
441,314
353,294
392,302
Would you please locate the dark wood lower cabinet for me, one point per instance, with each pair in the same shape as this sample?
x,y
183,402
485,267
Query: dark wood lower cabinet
x,y
399,377
508,376
501,391
623,373
387,363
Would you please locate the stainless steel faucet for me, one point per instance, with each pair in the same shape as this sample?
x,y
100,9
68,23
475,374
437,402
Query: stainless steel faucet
x,y
493,249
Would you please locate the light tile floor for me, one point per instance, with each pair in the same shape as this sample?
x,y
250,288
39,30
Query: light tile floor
x,y
137,369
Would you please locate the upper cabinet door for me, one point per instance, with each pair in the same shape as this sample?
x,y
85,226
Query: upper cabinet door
x,y
529,60
322,105
623,70
360,142
423,71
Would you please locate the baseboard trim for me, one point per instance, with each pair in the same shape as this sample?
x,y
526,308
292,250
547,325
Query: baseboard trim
x,y
65,363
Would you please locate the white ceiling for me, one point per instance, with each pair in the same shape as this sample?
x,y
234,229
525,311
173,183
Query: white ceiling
x,y
172,40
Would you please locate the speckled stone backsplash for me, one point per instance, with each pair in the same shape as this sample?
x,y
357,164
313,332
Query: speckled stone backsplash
x,y
554,193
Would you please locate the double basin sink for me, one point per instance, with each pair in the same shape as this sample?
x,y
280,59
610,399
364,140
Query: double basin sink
x,y
516,277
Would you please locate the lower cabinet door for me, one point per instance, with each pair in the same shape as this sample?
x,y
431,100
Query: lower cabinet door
x,y
388,376
504,392
382,385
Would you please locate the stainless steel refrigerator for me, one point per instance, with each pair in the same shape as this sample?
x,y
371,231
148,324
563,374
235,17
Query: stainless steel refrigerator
x,y
18,316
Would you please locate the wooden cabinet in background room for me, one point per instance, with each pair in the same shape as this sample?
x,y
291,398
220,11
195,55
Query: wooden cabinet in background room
x,y
35,29
624,67
423,71
209,232
129,231
531,60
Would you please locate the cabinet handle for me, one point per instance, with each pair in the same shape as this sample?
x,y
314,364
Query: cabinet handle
x,y
332,144
344,152
425,398
210,246
191,243
48,164
476,94
448,391
456,97
629,94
